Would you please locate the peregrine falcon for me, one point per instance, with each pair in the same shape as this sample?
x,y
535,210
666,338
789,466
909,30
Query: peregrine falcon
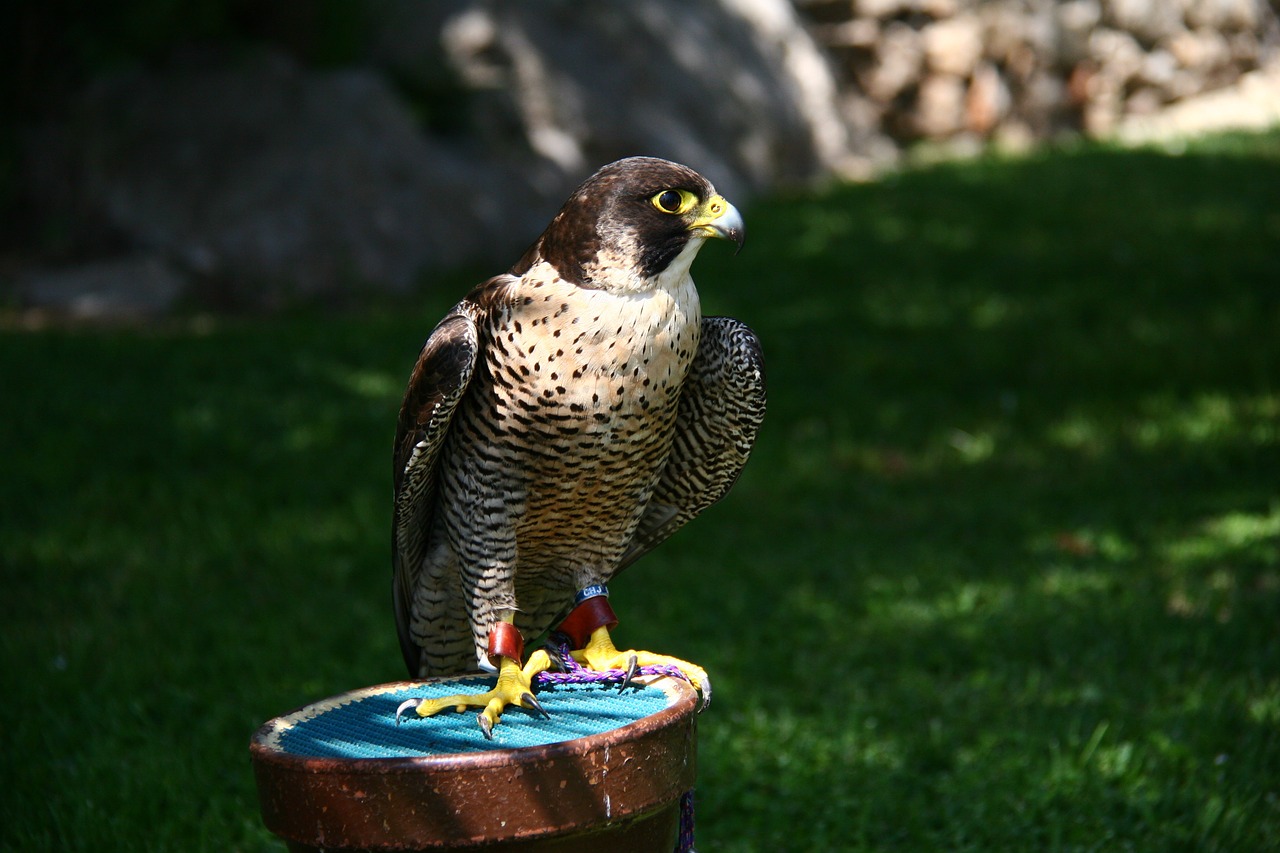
x,y
560,422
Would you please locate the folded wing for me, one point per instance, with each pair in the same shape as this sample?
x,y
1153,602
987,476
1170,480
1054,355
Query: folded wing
x,y
721,408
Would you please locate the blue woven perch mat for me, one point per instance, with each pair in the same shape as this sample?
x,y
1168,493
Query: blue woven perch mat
x,y
363,724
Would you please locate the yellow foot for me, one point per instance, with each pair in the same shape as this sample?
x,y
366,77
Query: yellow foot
x,y
600,654
514,687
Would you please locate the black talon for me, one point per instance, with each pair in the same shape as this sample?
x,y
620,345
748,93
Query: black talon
x,y
485,725
631,673
529,702
404,706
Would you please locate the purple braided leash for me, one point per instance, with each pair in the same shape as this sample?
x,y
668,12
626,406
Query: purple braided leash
x,y
576,673
684,842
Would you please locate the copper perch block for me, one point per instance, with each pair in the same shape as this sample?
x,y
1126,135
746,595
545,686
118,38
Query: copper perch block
x,y
606,772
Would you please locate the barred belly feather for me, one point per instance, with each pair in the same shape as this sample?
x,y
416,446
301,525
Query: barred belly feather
x,y
559,443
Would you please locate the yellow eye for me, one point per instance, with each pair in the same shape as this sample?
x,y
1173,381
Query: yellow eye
x,y
674,201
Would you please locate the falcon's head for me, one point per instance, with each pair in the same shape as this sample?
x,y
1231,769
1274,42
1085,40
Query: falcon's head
x,y
633,224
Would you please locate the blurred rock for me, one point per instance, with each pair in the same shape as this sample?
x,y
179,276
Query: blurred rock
x,y
987,100
1227,15
138,287
940,106
737,89
897,62
1148,21
953,46
1251,103
1074,20
272,183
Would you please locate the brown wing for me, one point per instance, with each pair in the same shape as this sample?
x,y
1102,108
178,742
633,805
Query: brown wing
x,y
438,382
721,408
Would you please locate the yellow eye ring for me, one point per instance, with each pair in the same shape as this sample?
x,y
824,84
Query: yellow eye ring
x,y
674,201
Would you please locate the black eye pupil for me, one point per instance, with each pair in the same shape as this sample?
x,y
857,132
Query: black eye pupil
x,y
669,201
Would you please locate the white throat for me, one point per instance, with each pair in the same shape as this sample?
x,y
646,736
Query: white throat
x,y
612,273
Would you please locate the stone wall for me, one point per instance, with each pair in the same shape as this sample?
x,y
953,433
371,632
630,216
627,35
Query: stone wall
x,y
1020,70
231,177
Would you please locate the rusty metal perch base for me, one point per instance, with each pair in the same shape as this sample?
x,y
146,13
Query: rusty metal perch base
x,y
606,772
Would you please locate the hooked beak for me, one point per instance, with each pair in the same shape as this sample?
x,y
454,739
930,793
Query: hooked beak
x,y
719,218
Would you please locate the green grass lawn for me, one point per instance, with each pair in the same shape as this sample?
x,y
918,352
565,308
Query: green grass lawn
x,y
1004,572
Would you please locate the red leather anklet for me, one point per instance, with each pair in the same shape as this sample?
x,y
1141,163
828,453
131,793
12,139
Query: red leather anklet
x,y
505,642
583,620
